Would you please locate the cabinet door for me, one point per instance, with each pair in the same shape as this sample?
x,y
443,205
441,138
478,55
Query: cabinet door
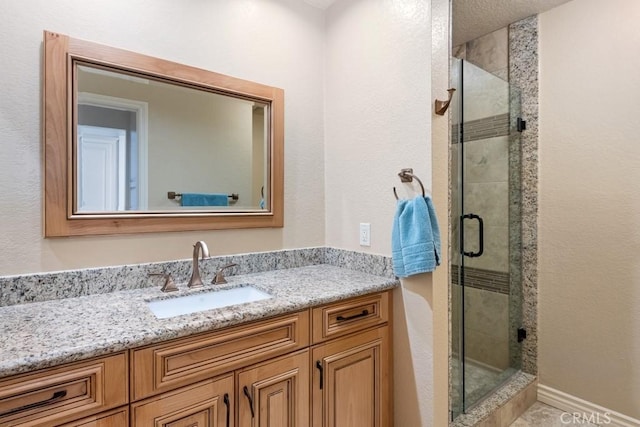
x,y
275,393
351,385
205,404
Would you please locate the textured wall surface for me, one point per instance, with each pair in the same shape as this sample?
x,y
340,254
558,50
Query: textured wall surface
x,y
279,43
473,19
378,117
589,292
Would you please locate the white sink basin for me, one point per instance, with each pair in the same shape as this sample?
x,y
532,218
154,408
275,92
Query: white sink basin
x,y
206,301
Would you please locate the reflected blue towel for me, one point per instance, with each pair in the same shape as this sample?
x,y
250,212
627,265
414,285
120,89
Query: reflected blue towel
x,y
204,199
415,238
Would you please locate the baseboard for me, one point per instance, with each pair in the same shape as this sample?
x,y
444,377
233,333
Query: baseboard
x,y
573,404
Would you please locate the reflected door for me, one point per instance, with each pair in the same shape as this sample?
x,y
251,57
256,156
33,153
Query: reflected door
x,y
101,151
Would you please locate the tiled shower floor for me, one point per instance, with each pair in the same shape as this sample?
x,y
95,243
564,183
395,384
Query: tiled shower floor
x,y
479,381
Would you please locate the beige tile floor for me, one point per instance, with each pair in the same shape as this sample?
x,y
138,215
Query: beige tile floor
x,y
541,415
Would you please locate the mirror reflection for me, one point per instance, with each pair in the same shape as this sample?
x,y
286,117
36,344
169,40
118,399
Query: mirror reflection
x,y
144,145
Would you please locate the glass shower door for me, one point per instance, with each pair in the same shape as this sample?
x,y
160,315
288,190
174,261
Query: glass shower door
x,y
456,369
485,294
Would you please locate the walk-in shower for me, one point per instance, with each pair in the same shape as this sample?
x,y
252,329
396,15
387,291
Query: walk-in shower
x,y
486,294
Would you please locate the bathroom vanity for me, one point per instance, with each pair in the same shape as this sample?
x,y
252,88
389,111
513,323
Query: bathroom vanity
x,y
318,353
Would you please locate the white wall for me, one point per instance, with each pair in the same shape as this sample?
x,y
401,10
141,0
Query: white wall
x,y
377,114
589,235
378,120
274,42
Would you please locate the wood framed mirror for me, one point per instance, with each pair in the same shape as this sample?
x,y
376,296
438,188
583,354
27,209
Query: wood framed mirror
x,y
137,144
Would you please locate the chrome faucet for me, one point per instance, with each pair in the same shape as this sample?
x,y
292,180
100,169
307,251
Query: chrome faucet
x,y
196,281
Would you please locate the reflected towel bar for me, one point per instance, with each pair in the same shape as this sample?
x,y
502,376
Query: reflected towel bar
x,y
171,195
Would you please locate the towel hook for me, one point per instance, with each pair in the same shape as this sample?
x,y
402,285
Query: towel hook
x,y
441,106
406,175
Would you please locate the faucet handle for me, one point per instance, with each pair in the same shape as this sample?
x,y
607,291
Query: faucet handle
x,y
169,284
219,279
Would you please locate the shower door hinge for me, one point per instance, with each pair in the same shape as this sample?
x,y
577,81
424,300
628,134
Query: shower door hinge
x,y
522,334
521,124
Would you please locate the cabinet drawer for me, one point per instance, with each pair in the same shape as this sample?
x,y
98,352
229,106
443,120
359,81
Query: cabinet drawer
x,y
345,317
166,366
57,395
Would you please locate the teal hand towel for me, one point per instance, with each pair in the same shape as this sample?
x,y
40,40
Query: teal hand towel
x,y
204,199
396,244
415,239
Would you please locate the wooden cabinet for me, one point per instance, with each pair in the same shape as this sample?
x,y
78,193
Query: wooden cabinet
x,y
258,388
276,393
351,385
326,366
270,394
345,383
351,381
171,364
204,404
353,315
56,396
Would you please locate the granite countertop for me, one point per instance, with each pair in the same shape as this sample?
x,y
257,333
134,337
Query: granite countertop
x,y
43,334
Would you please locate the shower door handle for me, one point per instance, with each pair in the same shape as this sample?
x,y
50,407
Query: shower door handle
x,y
480,236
